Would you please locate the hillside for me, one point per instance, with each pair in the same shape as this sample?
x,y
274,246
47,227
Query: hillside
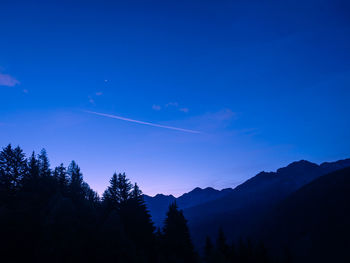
x,y
238,210
314,221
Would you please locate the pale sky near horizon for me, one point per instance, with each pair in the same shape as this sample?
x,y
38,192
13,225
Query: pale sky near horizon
x,y
203,93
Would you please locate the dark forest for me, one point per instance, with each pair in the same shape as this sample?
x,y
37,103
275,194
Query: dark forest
x,y
52,215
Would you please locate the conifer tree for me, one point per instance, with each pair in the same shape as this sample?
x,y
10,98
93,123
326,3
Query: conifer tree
x,y
75,180
13,166
60,175
33,167
55,174
118,192
136,194
110,196
90,195
138,224
44,164
123,188
178,246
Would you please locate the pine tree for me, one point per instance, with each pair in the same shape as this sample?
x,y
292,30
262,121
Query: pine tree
x,y
75,180
110,196
123,188
90,195
136,194
13,166
44,164
33,167
118,192
60,175
138,224
178,246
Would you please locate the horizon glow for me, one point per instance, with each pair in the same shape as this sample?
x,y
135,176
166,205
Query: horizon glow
x,y
214,92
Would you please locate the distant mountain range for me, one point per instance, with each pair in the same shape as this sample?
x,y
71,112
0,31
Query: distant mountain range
x,y
241,210
158,205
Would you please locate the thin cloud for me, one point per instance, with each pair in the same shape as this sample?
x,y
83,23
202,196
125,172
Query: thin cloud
x,y
223,115
142,122
185,110
99,93
91,100
176,105
7,80
213,121
173,104
156,107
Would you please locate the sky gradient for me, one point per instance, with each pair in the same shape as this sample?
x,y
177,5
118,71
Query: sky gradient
x,y
259,85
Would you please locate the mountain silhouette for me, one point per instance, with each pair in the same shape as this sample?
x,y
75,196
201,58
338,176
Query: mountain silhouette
x,y
300,213
313,222
238,210
159,204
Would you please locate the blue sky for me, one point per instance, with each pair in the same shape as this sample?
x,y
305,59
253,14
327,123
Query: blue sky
x,y
264,84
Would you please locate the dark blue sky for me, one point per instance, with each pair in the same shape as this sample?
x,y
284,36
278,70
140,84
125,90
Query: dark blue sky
x,y
264,83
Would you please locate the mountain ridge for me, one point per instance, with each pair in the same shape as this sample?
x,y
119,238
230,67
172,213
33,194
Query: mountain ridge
x,y
237,206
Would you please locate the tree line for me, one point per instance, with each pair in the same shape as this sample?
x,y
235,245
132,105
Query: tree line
x,y
52,215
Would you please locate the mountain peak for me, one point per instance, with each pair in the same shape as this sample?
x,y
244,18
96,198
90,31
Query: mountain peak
x,y
297,166
163,196
197,189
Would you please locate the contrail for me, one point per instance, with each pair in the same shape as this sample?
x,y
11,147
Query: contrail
x,y
141,122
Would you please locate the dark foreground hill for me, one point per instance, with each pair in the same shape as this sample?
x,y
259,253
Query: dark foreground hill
x,y
313,222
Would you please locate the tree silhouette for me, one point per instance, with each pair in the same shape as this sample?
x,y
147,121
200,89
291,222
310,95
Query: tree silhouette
x,y
118,192
138,224
60,175
33,167
13,166
75,180
111,196
44,164
59,218
123,188
177,242
136,194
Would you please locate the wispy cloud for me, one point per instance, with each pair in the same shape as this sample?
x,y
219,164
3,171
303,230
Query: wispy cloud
x,y
91,100
142,122
222,115
213,121
99,93
172,104
7,80
156,107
